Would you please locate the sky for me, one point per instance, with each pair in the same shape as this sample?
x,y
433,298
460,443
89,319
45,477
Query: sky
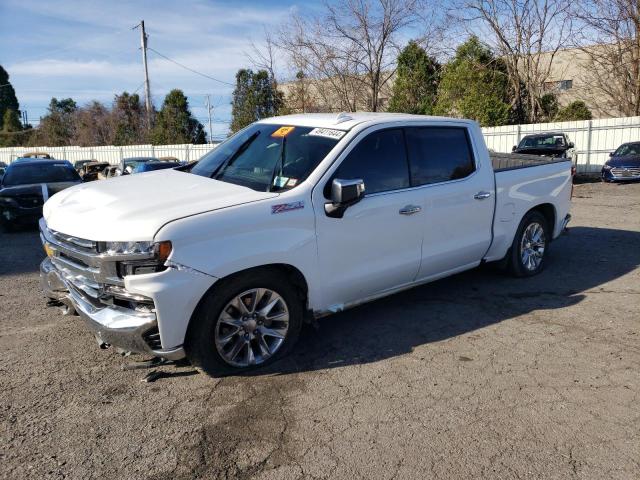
x,y
87,49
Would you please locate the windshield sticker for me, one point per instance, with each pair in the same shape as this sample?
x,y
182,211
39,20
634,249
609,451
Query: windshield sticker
x,y
327,132
280,182
292,182
287,207
282,132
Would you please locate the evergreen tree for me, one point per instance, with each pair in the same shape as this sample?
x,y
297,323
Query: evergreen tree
x,y
474,85
416,84
57,128
129,120
174,122
11,122
256,96
8,100
549,107
577,110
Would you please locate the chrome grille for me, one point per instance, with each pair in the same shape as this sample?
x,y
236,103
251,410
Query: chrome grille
x,y
626,172
74,242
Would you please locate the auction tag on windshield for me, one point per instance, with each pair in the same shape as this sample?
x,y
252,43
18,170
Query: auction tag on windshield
x,y
327,132
280,182
282,132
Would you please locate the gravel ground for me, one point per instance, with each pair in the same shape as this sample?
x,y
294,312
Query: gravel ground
x,y
475,376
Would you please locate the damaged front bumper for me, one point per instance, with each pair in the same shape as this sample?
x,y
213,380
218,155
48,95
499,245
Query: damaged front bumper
x,y
120,327
143,313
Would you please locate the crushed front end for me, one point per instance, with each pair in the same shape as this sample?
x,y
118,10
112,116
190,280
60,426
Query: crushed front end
x,y
121,290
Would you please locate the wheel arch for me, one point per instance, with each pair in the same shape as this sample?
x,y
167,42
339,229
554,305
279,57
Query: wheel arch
x,y
295,276
548,211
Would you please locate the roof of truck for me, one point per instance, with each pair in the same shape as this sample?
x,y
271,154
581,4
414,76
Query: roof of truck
x,y
346,121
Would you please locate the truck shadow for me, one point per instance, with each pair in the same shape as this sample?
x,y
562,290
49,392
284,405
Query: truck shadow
x,y
580,262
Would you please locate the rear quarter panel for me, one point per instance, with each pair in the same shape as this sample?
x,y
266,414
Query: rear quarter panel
x,y
521,189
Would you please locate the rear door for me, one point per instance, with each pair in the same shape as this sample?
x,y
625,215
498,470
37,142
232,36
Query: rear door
x,y
376,245
458,195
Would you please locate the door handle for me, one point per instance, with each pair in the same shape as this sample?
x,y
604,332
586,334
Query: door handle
x,y
482,195
410,210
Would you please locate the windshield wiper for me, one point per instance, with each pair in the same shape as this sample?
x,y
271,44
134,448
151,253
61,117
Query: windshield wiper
x,y
218,171
279,166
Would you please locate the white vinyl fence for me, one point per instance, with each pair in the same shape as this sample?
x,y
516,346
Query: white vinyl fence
x,y
594,139
110,153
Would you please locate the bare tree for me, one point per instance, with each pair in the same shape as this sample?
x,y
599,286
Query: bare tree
x,y
527,35
610,39
348,53
263,57
93,125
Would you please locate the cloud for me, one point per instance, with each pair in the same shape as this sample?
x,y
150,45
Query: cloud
x,y
87,50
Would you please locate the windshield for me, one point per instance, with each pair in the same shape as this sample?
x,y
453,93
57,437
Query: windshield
x,y
268,157
628,149
40,173
542,141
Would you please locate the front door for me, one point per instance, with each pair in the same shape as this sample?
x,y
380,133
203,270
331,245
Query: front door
x,y
376,245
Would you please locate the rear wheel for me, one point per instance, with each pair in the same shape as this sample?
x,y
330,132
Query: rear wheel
x,y
530,245
245,323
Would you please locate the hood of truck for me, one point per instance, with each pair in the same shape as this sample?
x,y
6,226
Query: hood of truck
x,y
135,207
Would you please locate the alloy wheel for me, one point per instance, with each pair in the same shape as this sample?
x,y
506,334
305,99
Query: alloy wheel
x,y
532,246
252,327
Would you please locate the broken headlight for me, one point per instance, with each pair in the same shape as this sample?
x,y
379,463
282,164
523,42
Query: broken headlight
x,y
154,256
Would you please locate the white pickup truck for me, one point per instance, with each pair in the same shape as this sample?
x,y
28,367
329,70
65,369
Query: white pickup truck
x,y
294,217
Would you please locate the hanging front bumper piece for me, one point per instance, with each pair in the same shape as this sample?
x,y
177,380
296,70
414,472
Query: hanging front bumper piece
x,y
76,274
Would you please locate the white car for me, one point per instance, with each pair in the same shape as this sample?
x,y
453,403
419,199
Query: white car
x,y
292,218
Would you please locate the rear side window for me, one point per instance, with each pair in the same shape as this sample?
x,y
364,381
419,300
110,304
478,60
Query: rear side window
x,y
380,159
438,154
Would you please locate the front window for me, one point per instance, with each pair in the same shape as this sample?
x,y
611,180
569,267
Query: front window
x,y
543,141
628,149
267,157
40,173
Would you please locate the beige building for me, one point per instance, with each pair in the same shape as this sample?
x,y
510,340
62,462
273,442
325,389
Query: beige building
x,y
574,75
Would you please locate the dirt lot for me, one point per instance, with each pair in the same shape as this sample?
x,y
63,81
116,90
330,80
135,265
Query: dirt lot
x,y
475,376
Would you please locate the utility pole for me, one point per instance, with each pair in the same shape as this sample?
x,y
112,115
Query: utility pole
x,y
147,90
209,109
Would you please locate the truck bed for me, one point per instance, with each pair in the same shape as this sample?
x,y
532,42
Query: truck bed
x,y
511,161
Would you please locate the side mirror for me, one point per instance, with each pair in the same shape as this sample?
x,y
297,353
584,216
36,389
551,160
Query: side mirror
x,y
611,154
514,148
344,193
571,145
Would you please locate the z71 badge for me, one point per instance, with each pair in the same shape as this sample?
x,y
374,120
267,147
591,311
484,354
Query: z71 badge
x,y
287,207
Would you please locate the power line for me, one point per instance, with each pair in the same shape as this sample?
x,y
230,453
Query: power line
x,y
190,69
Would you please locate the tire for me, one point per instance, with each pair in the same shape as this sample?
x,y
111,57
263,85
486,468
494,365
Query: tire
x,y
211,339
521,265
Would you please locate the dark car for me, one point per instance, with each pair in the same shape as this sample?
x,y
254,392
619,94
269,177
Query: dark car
x,y
151,166
26,185
553,144
624,164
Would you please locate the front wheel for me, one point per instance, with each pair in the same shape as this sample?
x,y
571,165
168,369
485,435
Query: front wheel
x,y
245,323
530,245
